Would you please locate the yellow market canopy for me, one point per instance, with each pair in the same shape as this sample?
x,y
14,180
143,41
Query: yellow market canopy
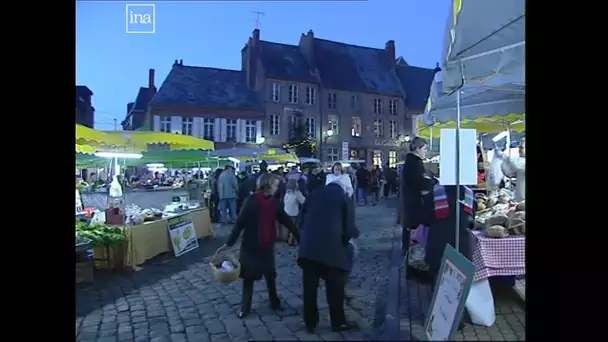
x,y
92,137
493,124
176,142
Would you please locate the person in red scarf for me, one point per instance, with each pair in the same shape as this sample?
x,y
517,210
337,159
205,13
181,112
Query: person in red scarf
x,y
257,221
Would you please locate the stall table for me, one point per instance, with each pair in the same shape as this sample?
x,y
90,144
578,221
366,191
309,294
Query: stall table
x,y
493,257
150,239
499,257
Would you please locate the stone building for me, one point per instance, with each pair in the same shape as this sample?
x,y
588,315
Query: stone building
x,y
357,102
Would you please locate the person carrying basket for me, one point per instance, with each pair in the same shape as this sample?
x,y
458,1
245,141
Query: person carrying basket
x,y
257,221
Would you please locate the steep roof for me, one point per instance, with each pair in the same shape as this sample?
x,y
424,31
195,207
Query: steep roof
x,y
416,83
283,61
83,90
142,99
354,68
207,87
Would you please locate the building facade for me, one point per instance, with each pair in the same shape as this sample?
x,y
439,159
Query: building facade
x,y
85,112
356,102
214,104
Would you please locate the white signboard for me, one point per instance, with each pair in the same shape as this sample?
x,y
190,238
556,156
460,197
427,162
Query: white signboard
x,y
449,297
182,234
468,157
345,152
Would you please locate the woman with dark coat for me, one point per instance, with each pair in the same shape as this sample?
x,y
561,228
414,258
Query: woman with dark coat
x,y
416,192
257,220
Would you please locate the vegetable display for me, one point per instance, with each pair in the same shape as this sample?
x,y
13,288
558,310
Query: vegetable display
x,y
99,234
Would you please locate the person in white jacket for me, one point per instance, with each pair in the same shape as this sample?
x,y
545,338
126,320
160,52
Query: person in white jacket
x,y
337,175
516,166
292,200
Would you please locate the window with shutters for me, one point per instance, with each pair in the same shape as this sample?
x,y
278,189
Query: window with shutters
x,y
393,129
231,130
275,95
250,132
311,94
292,94
333,123
208,129
332,154
187,126
378,128
165,124
377,106
332,100
392,158
310,127
392,107
275,128
356,128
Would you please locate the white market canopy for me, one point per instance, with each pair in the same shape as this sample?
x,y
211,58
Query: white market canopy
x,y
485,48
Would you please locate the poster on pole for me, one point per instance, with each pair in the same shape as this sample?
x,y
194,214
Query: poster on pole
x,y
468,157
449,297
345,153
182,234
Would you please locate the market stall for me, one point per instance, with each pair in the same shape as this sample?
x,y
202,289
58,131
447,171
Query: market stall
x,y
145,232
149,239
482,85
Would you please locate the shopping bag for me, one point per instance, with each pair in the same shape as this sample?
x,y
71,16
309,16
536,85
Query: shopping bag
x,y
415,257
355,248
480,304
421,234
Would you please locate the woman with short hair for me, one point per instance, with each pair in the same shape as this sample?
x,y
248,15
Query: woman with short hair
x,y
257,221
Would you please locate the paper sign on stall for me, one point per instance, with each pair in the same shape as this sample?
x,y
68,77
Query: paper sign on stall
x,y
182,234
468,156
448,302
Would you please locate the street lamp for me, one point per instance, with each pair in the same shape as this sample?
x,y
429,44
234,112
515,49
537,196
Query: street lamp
x,y
407,138
330,132
261,140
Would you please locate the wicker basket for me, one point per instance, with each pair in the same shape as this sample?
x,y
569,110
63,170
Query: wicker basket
x,y
224,277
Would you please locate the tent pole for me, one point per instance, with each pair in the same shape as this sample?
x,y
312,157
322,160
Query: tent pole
x,y
457,202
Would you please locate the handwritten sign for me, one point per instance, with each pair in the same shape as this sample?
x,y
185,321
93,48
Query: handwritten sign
x,y
447,306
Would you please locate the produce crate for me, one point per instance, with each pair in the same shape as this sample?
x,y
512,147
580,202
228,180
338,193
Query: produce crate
x,y
111,257
84,272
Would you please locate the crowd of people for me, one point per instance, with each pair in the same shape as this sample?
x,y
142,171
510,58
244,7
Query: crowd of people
x,y
309,208
367,185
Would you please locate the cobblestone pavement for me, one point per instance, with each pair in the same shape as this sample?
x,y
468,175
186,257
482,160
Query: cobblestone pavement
x,y
510,322
176,299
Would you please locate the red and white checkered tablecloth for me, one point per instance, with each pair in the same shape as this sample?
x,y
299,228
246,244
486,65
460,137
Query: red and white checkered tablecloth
x,y
499,256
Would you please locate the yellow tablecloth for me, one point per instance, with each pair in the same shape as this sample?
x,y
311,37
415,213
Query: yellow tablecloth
x,y
150,239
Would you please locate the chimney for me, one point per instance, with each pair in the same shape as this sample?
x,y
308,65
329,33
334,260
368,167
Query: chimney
x,y
253,53
151,78
389,48
129,107
175,63
307,43
437,68
256,37
181,62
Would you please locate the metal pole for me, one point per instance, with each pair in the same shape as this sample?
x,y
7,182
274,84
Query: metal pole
x,y
431,142
457,202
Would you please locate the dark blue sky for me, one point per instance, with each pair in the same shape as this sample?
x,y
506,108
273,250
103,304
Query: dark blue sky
x,y
114,64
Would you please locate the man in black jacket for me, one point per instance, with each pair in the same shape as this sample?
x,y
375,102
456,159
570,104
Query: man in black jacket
x,y
327,224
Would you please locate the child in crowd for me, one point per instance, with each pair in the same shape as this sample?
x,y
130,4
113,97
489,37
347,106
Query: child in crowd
x,y
293,199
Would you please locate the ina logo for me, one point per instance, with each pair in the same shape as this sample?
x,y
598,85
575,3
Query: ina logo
x,y
141,18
